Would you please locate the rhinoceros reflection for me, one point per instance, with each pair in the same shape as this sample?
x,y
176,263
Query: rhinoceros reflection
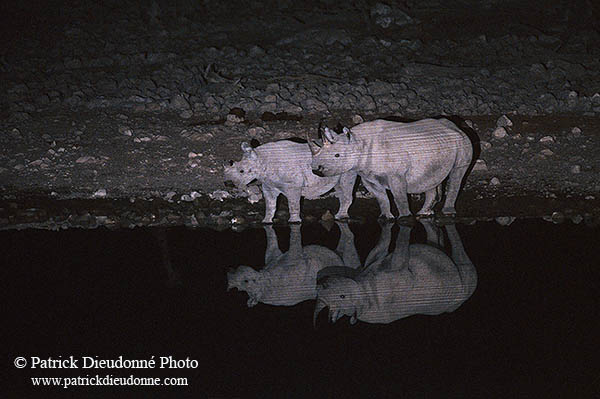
x,y
413,279
291,277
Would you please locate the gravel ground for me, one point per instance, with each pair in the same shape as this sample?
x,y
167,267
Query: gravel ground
x,y
142,103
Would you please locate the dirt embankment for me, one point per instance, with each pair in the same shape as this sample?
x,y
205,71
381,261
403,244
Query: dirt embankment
x,y
146,104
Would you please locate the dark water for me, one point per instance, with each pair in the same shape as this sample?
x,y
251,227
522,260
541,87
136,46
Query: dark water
x,y
477,310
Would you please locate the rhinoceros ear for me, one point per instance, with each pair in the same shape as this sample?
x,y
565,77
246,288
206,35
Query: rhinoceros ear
x,y
246,147
329,136
348,134
248,150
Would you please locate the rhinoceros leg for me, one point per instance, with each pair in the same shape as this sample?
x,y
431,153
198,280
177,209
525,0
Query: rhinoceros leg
x,y
272,252
270,195
293,197
468,273
399,189
346,248
401,255
295,250
430,200
343,190
452,188
382,199
383,245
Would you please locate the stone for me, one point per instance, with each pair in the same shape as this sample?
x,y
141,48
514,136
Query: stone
x,y
495,181
504,121
505,220
480,166
356,119
100,193
499,132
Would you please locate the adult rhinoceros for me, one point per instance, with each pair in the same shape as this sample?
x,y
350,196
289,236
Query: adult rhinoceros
x,y
413,279
291,277
405,158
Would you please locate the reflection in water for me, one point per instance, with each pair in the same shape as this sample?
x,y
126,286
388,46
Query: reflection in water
x,y
290,278
412,279
160,234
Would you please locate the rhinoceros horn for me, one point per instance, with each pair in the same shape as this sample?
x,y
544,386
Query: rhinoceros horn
x,y
314,148
328,134
318,308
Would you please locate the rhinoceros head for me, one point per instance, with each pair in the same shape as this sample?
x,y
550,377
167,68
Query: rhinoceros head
x,y
341,295
242,172
245,278
337,155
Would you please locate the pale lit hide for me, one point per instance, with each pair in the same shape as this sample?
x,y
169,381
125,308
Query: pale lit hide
x,y
413,279
283,167
291,277
405,158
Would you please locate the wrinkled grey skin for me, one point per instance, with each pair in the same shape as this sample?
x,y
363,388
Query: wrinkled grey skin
x,y
413,279
283,167
405,158
291,277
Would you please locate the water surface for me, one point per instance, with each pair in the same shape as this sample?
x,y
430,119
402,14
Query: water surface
x,y
513,315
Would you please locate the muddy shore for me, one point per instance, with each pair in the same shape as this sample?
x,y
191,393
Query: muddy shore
x,y
127,119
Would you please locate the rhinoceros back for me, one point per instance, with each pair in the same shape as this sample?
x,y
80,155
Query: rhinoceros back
x,y
415,137
288,163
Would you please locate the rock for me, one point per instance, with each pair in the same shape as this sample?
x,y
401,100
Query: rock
x,y
169,196
576,132
538,68
557,217
179,102
485,145
256,51
499,132
254,194
505,220
379,88
576,169
547,139
256,131
356,119
367,103
187,114
383,15
125,131
495,181
101,193
577,219
219,195
87,159
327,216
233,119
312,104
504,121
547,152
480,166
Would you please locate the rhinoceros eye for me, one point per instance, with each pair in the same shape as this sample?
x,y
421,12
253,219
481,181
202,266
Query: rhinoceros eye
x,y
337,155
242,171
342,296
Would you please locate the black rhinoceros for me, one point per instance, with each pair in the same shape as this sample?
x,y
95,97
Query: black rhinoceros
x,y
291,277
283,167
413,279
405,158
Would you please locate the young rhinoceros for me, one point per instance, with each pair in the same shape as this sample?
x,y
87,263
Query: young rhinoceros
x,y
405,158
283,167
